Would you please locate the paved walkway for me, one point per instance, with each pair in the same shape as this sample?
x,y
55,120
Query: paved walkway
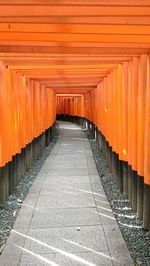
x,y
66,219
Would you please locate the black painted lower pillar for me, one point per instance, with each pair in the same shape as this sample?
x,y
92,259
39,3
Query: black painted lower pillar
x,y
146,207
97,138
129,183
110,157
13,171
4,187
120,175
114,165
140,191
134,191
125,179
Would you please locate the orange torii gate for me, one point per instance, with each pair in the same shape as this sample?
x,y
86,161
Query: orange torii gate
x,y
93,57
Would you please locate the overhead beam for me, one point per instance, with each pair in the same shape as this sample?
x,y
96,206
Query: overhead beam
x,y
62,37
50,63
71,76
74,28
63,56
78,2
71,50
63,67
67,59
105,20
63,72
67,95
37,10
47,76
81,91
72,85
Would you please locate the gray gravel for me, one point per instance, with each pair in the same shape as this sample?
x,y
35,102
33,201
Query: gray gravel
x,y
10,210
137,239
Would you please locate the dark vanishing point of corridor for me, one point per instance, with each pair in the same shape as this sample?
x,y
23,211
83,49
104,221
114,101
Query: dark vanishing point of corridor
x,y
66,219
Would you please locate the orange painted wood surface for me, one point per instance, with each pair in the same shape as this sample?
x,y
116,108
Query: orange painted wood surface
x,y
91,58
27,110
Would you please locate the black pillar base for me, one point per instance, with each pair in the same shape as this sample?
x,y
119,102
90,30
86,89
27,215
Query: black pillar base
x,y
134,191
146,207
13,171
130,183
140,191
125,179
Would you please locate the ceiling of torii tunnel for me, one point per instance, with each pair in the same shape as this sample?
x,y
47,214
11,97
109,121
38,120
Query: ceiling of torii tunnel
x,y
71,45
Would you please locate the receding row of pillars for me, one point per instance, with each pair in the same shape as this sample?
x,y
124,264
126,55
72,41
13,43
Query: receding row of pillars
x,y
128,181
13,171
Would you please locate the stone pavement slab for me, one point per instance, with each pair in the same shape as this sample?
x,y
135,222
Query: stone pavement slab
x,y
66,219
80,259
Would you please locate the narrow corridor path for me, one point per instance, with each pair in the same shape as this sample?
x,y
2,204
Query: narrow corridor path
x,y
66,219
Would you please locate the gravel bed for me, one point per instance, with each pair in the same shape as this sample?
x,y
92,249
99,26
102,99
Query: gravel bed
x,y
136,238
10,210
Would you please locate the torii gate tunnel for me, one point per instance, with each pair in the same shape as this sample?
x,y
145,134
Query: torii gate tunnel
x,y
90,59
